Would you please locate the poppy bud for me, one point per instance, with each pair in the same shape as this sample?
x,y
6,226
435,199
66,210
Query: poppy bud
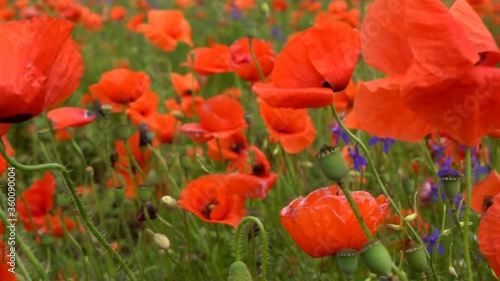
x,y
169,202
395,227
144,193
409,186
124,132
377,258
63,200
162,241
239,272
264,7
348,261
410,218
44,134
332,163
451,185
415,255
119,194
186,162
152,178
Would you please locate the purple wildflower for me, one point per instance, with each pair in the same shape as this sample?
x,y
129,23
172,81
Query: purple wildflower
x,y
432,240
446,169
386,142
357,158
339,133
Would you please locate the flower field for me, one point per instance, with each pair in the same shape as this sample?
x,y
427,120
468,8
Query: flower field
x,y
249,140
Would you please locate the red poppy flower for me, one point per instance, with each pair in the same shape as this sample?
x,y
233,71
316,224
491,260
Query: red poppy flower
x,y
209,198
323,222
255,179
166,28
489,235
5,274
120,86
242,62
134,22
189,106
484,191
220,117
185,84
70,117
10,151
231,148
314,63
144,109
210,60
117,13
124,179
39,200
167,127
455,61
292,128
141,155
91,21
36,78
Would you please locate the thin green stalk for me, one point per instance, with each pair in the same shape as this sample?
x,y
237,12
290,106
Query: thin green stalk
x,y
371,164
468,186
76,199
263,236
355,209
401,275
255,61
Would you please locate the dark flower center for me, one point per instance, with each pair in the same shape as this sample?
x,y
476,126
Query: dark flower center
x,y
259,170
208,208
16,118
237,147
487,203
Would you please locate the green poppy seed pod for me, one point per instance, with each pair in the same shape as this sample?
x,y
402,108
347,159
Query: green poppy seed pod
x,y
63,200
415,255
186,162
152,178
119,194
332,163
451,185
409,186
124,132
348,261
162,241
377,258
239,272
143,193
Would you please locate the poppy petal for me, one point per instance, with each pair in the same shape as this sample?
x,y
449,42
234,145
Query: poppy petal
x,y
66,117
296,98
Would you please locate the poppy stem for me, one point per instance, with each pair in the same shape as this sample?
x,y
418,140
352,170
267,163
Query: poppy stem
x,y
263,237
468,186
355,209
255,61
371,164
76,199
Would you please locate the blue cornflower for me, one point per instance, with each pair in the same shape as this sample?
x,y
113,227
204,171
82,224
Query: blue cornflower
x,y
357,158
236,14
476,166
277,33
439,151
386,142
446,169
431,241
339,133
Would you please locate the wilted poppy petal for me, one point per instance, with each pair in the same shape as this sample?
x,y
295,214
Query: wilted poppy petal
x,y
69,117
380,111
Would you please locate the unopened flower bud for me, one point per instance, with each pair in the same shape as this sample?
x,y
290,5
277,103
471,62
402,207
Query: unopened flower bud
x,y
152,178
410,218
239,272
409,186
124,132
394,227
169,202
332,163
161,240
186,162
